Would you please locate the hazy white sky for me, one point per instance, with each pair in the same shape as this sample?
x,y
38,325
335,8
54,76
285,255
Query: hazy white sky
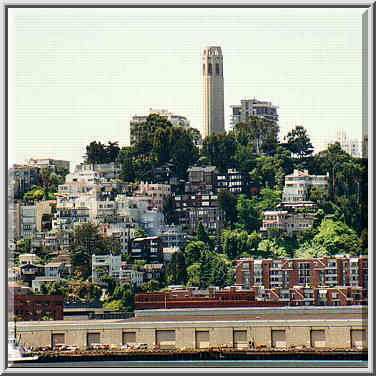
x,y
78,75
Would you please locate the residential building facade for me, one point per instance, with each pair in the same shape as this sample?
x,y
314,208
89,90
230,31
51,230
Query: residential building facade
x,y
196,208
105,265
253,107
302,275
291,223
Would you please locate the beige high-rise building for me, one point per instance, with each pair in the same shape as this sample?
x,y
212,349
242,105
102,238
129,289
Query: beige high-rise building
x,y
213,101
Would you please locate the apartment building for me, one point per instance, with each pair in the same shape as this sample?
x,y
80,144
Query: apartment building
x,y
22,178
135,277
298,184
308,273
232,180
253,107
313,296
148,249
291,223
196,208
349,145
102,171
28,221
202,180
154,271
156,193
28,258
105,265
53,164
14,220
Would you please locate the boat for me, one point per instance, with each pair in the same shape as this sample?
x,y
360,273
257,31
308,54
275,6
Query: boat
x,y
17,353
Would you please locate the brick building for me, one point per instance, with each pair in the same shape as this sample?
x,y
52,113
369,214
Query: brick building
x,y
316,272
289,278
194,298
27,307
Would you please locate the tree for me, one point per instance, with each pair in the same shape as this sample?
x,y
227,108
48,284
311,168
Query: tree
x,y
176,269
112,151
259,133
139,232
219,149
193,272
206,259
269,249
110,283
161,145
146,130
169,211
269,199
336,238
201,234
193,251
122,298
150,286
183,151
127,168
247,214
298,142
88,241
227,202
95,153
219,273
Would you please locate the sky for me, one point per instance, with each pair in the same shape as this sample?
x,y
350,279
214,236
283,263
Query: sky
x,y
79,75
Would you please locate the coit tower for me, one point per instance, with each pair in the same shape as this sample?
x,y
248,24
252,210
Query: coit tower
x,y
213,102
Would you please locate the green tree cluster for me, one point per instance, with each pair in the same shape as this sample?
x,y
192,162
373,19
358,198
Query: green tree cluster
x,y
98,153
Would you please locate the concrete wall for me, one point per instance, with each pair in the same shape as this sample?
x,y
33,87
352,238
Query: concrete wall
x,y
337,332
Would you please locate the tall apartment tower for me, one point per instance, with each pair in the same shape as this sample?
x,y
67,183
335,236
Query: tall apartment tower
x,y
213,101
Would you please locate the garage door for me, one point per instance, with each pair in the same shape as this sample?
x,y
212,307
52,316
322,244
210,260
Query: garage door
x,y
93,338
278,338
240,338
57,339
166,339
358,338
202,340
318,338
129,337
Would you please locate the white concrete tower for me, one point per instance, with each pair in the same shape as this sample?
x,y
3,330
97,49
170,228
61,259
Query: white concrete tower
x,y
213,101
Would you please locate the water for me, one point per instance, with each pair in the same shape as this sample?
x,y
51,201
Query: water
x,y
201,363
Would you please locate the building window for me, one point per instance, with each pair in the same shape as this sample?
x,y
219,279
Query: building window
x,y
217,69
209,69
203,68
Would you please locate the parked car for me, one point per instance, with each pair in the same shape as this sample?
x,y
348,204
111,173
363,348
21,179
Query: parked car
x,y
60,347
125,347
96,346
72,348
142,346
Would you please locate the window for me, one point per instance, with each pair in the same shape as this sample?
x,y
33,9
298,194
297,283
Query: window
x,y
217,69
210,69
